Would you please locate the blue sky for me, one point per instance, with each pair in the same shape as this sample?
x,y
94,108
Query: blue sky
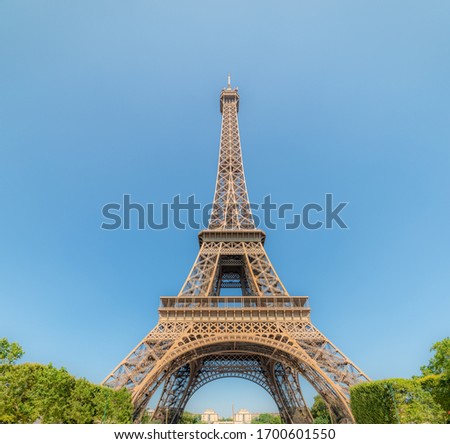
x,y
103,98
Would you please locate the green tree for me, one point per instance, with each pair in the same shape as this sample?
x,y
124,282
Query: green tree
x,y
16,403
190,418
319,411
267,418
393,401
115,405
436,376
10,352
42,393
440,362
439,388
51,394
147,419
83,407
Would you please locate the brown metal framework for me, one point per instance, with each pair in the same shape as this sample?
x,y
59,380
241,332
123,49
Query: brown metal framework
x,y
263,335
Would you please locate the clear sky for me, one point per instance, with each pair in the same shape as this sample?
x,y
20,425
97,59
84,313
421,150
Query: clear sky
x,y
102,98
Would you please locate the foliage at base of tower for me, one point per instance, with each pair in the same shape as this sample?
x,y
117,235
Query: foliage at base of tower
x,y
10,352
190,418
319,411
436,376
394,401
147,419
267,418
439,388
440,361
32,393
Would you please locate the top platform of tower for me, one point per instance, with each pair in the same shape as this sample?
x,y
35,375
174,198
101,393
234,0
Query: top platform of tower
x,y
253,235
229,94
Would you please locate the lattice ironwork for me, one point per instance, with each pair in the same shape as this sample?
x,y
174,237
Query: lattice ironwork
x,y
262,334
231,207
257,275
278,381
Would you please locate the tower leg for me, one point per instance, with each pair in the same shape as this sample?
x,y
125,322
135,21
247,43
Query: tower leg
x,y
287,385
175,395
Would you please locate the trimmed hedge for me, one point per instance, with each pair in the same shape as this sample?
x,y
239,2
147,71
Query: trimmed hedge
x,y
41,393
394,401
439,388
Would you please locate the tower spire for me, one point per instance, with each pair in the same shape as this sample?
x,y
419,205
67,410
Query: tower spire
x,y
231,206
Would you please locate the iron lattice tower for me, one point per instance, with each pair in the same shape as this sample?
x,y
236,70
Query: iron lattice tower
x,y
264,335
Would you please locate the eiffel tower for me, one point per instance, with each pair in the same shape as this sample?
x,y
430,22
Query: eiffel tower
x,y
263,335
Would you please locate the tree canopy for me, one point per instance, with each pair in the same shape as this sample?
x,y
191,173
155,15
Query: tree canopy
x,y
440,362
32,393
319,411
190,418
10,352
267,418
